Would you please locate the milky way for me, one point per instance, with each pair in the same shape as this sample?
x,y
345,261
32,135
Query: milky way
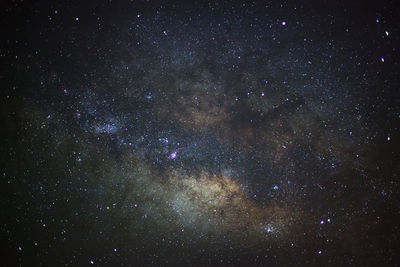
x,y
158,134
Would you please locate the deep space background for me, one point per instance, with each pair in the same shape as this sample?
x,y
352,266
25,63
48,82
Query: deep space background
x,y
200,133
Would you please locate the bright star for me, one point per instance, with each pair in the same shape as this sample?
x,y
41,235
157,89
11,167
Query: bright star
x,y
172,155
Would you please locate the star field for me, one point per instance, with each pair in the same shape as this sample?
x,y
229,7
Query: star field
x,y
162,133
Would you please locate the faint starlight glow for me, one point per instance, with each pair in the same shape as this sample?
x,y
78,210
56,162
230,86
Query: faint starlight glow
x,y
193,197
109,128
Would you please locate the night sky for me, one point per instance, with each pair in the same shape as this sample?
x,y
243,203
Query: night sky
x,y
149,133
